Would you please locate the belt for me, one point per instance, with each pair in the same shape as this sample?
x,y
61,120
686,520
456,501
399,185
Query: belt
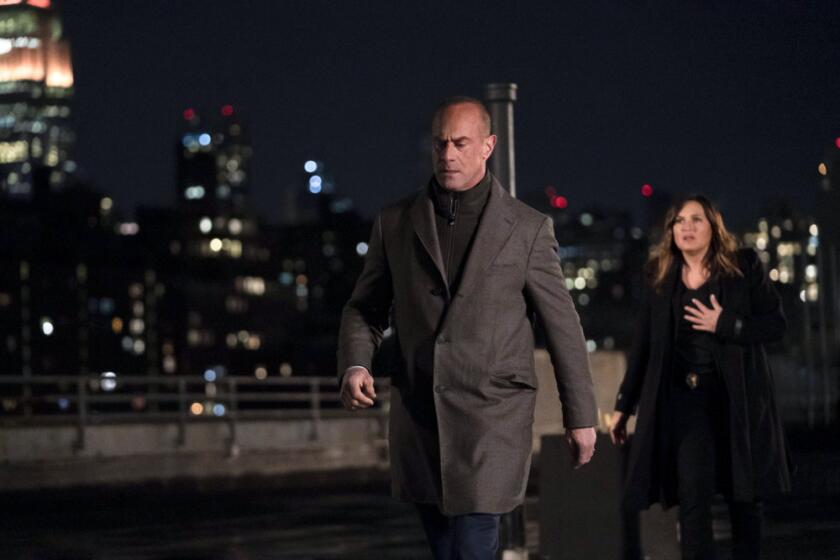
x,y
694,378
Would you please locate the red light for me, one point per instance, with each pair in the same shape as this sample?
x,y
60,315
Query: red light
x,y
559,202
647,191
837,142
227,110
189,114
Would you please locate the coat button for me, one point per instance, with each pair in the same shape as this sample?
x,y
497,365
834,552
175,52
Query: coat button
x,y
442,339
440,388
436,292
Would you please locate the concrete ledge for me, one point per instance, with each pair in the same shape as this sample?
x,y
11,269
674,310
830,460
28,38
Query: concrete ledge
x,y
47,457
106,471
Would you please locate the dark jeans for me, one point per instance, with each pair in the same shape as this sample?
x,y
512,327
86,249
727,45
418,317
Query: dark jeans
x,y
700,443
473,536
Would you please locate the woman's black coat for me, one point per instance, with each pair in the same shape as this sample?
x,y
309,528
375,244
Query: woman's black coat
x,y
752,315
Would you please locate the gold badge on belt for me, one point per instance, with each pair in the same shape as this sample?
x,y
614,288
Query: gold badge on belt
x,y
692,380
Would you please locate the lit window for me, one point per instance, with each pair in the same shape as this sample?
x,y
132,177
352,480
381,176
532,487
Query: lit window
x,y
129,228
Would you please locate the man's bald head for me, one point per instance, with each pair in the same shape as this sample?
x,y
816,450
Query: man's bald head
x,y
461,100
461,143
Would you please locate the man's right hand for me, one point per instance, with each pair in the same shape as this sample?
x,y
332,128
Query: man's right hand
x,y
357,389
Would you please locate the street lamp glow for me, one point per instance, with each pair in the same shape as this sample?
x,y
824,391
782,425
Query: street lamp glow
x,y
108,381
311,166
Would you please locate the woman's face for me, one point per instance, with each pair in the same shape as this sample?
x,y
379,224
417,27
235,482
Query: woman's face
x,y
692,230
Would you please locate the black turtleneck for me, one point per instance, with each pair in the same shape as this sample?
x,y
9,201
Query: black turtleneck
x,y
456,219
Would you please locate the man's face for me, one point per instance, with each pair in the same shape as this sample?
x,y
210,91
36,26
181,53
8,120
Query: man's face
x,y
461,145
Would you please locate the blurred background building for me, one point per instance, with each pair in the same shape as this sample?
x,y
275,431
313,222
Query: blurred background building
x,y
36,90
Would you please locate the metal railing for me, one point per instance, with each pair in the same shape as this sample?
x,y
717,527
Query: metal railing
x,y
84,401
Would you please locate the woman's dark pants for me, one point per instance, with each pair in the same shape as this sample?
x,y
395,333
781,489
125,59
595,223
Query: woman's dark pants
x,y
700,440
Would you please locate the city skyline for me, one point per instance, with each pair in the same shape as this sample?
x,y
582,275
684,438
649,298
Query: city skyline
x,y
733,101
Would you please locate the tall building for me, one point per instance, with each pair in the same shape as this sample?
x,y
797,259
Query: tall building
x,y
36,88
214,163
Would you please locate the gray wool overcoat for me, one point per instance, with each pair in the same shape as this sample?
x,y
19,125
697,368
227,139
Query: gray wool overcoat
x,y
460,435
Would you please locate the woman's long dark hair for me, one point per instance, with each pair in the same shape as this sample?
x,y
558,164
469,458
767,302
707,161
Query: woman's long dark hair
x,y
720,259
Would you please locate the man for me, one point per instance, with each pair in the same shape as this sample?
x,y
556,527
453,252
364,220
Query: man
x,y
459,266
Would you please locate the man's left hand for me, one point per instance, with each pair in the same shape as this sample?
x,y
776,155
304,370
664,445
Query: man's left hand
x,y
582,443
703,318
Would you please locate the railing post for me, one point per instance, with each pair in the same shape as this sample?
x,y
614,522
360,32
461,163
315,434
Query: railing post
x,y
81,412
233,406
315,408
182,410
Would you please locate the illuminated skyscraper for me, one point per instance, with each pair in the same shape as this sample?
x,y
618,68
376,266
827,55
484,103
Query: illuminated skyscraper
x,y
214,160
36,87
213,178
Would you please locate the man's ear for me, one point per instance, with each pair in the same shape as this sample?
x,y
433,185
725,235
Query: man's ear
x,y
489,144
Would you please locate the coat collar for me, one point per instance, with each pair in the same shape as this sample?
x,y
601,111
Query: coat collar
x,y
494,229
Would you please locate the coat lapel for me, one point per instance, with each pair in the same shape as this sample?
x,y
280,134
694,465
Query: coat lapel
x,y
422,214
494,229
669,302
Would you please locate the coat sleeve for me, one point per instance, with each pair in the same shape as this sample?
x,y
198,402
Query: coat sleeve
x,y
546,290
637,360
766,321
365,316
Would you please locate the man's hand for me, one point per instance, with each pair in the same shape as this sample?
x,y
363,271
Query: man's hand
x,y
582,443
357,389
618,427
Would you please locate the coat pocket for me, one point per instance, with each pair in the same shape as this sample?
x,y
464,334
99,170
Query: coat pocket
x,y
521,379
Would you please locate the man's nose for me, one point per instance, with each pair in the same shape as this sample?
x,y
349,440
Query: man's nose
x,y
447,151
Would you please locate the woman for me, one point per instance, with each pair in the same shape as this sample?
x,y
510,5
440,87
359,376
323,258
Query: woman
x,y
707,420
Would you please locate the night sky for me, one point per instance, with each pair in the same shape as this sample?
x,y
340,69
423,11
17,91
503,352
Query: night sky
x,y
737,102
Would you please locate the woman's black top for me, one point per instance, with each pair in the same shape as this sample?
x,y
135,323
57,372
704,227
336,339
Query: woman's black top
x,y
694,349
